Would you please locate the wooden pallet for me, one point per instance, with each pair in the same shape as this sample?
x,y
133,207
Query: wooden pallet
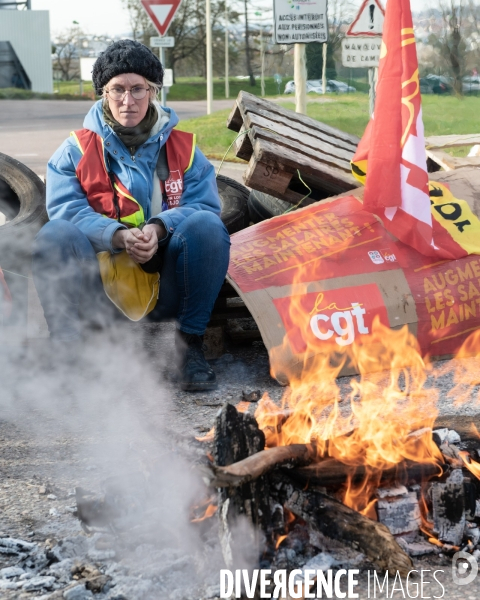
x,y
438,159
284,147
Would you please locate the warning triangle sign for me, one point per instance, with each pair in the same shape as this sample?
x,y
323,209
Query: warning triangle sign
x,y
369,20
161,12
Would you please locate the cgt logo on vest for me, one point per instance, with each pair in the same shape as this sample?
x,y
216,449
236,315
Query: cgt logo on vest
x,y
337,317
174,188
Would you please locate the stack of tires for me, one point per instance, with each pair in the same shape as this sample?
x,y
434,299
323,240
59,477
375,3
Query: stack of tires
x,y
240,206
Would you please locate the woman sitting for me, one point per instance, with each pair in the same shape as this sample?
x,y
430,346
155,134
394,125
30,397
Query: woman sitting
x,y
134,216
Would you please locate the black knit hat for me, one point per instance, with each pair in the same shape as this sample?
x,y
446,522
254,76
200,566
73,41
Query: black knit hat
x,y
126,56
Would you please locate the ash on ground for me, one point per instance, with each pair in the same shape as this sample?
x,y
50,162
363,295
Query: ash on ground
x,y
60,432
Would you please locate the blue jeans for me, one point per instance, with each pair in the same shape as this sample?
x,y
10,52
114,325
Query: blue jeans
x,y
67,277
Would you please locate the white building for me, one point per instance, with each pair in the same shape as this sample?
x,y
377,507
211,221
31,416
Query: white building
x,y
28,32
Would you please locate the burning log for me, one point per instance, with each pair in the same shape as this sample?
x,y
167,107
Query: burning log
x,y
261,463
333,473
338,522
448,501
398,509
237,437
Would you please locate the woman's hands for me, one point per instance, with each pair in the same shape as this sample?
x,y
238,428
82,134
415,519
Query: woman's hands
x,y
140,245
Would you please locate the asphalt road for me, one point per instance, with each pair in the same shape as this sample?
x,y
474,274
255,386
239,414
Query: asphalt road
x,y
31,130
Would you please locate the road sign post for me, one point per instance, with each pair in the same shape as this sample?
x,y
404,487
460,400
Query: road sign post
x,y
299,22
161,13
362,43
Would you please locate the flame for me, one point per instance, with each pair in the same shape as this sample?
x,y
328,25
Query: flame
x,y
474,430
366,422
210,510
472,466
280,540
208,437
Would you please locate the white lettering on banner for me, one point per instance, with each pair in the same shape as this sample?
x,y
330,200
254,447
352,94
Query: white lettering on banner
x,y
174,188
342,323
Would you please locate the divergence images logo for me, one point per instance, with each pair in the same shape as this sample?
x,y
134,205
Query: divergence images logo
x,y
338,317
464,568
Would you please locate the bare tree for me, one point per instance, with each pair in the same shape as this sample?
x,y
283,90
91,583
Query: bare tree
x,y
188,29
340,12
455,38
140,22
66,51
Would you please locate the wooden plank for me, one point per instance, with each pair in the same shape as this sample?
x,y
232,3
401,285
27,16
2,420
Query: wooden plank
x,y
451,141
332,178
271,177
450,163
308,141
299,129
235,119
249,102
243,146
322,159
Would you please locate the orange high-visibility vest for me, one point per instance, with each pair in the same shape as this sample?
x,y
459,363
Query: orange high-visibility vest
x,y
107,195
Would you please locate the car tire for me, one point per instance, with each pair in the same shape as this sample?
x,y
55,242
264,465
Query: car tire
x,y
263,206
22,201
233,197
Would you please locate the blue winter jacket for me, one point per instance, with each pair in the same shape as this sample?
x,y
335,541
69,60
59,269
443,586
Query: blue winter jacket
x,y
66,200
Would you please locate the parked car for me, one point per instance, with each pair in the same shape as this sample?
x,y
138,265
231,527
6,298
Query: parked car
x,y
316,86
471,84
436,84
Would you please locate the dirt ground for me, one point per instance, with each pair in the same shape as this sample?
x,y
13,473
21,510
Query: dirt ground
x,y
115,412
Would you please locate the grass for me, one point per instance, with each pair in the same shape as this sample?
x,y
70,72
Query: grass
x,y
213,137
186,88
442,115
18,94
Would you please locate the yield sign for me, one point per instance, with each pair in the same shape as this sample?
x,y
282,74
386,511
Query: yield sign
x,y
369,20
161,12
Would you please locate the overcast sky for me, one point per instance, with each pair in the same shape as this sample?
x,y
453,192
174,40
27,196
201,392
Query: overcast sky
x,y
108,16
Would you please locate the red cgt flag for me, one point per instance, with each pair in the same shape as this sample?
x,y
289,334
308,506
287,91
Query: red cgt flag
x,y
396,186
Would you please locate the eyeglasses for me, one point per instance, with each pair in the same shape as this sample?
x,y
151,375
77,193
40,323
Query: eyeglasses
x,y
118,93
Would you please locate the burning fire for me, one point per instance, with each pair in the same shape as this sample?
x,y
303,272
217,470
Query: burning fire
x,y
471,465
368,424
208,508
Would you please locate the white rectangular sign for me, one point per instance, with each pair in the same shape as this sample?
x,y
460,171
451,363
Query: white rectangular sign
x,y
86,68
300,21
361,51
162,42
168,78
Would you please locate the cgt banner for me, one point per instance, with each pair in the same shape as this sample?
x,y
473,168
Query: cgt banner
x,y
315,279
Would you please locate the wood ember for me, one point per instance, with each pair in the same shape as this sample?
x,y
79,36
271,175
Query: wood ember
x,y
332,473
237,437
416,548
259,464
398,509
336,521
448,500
